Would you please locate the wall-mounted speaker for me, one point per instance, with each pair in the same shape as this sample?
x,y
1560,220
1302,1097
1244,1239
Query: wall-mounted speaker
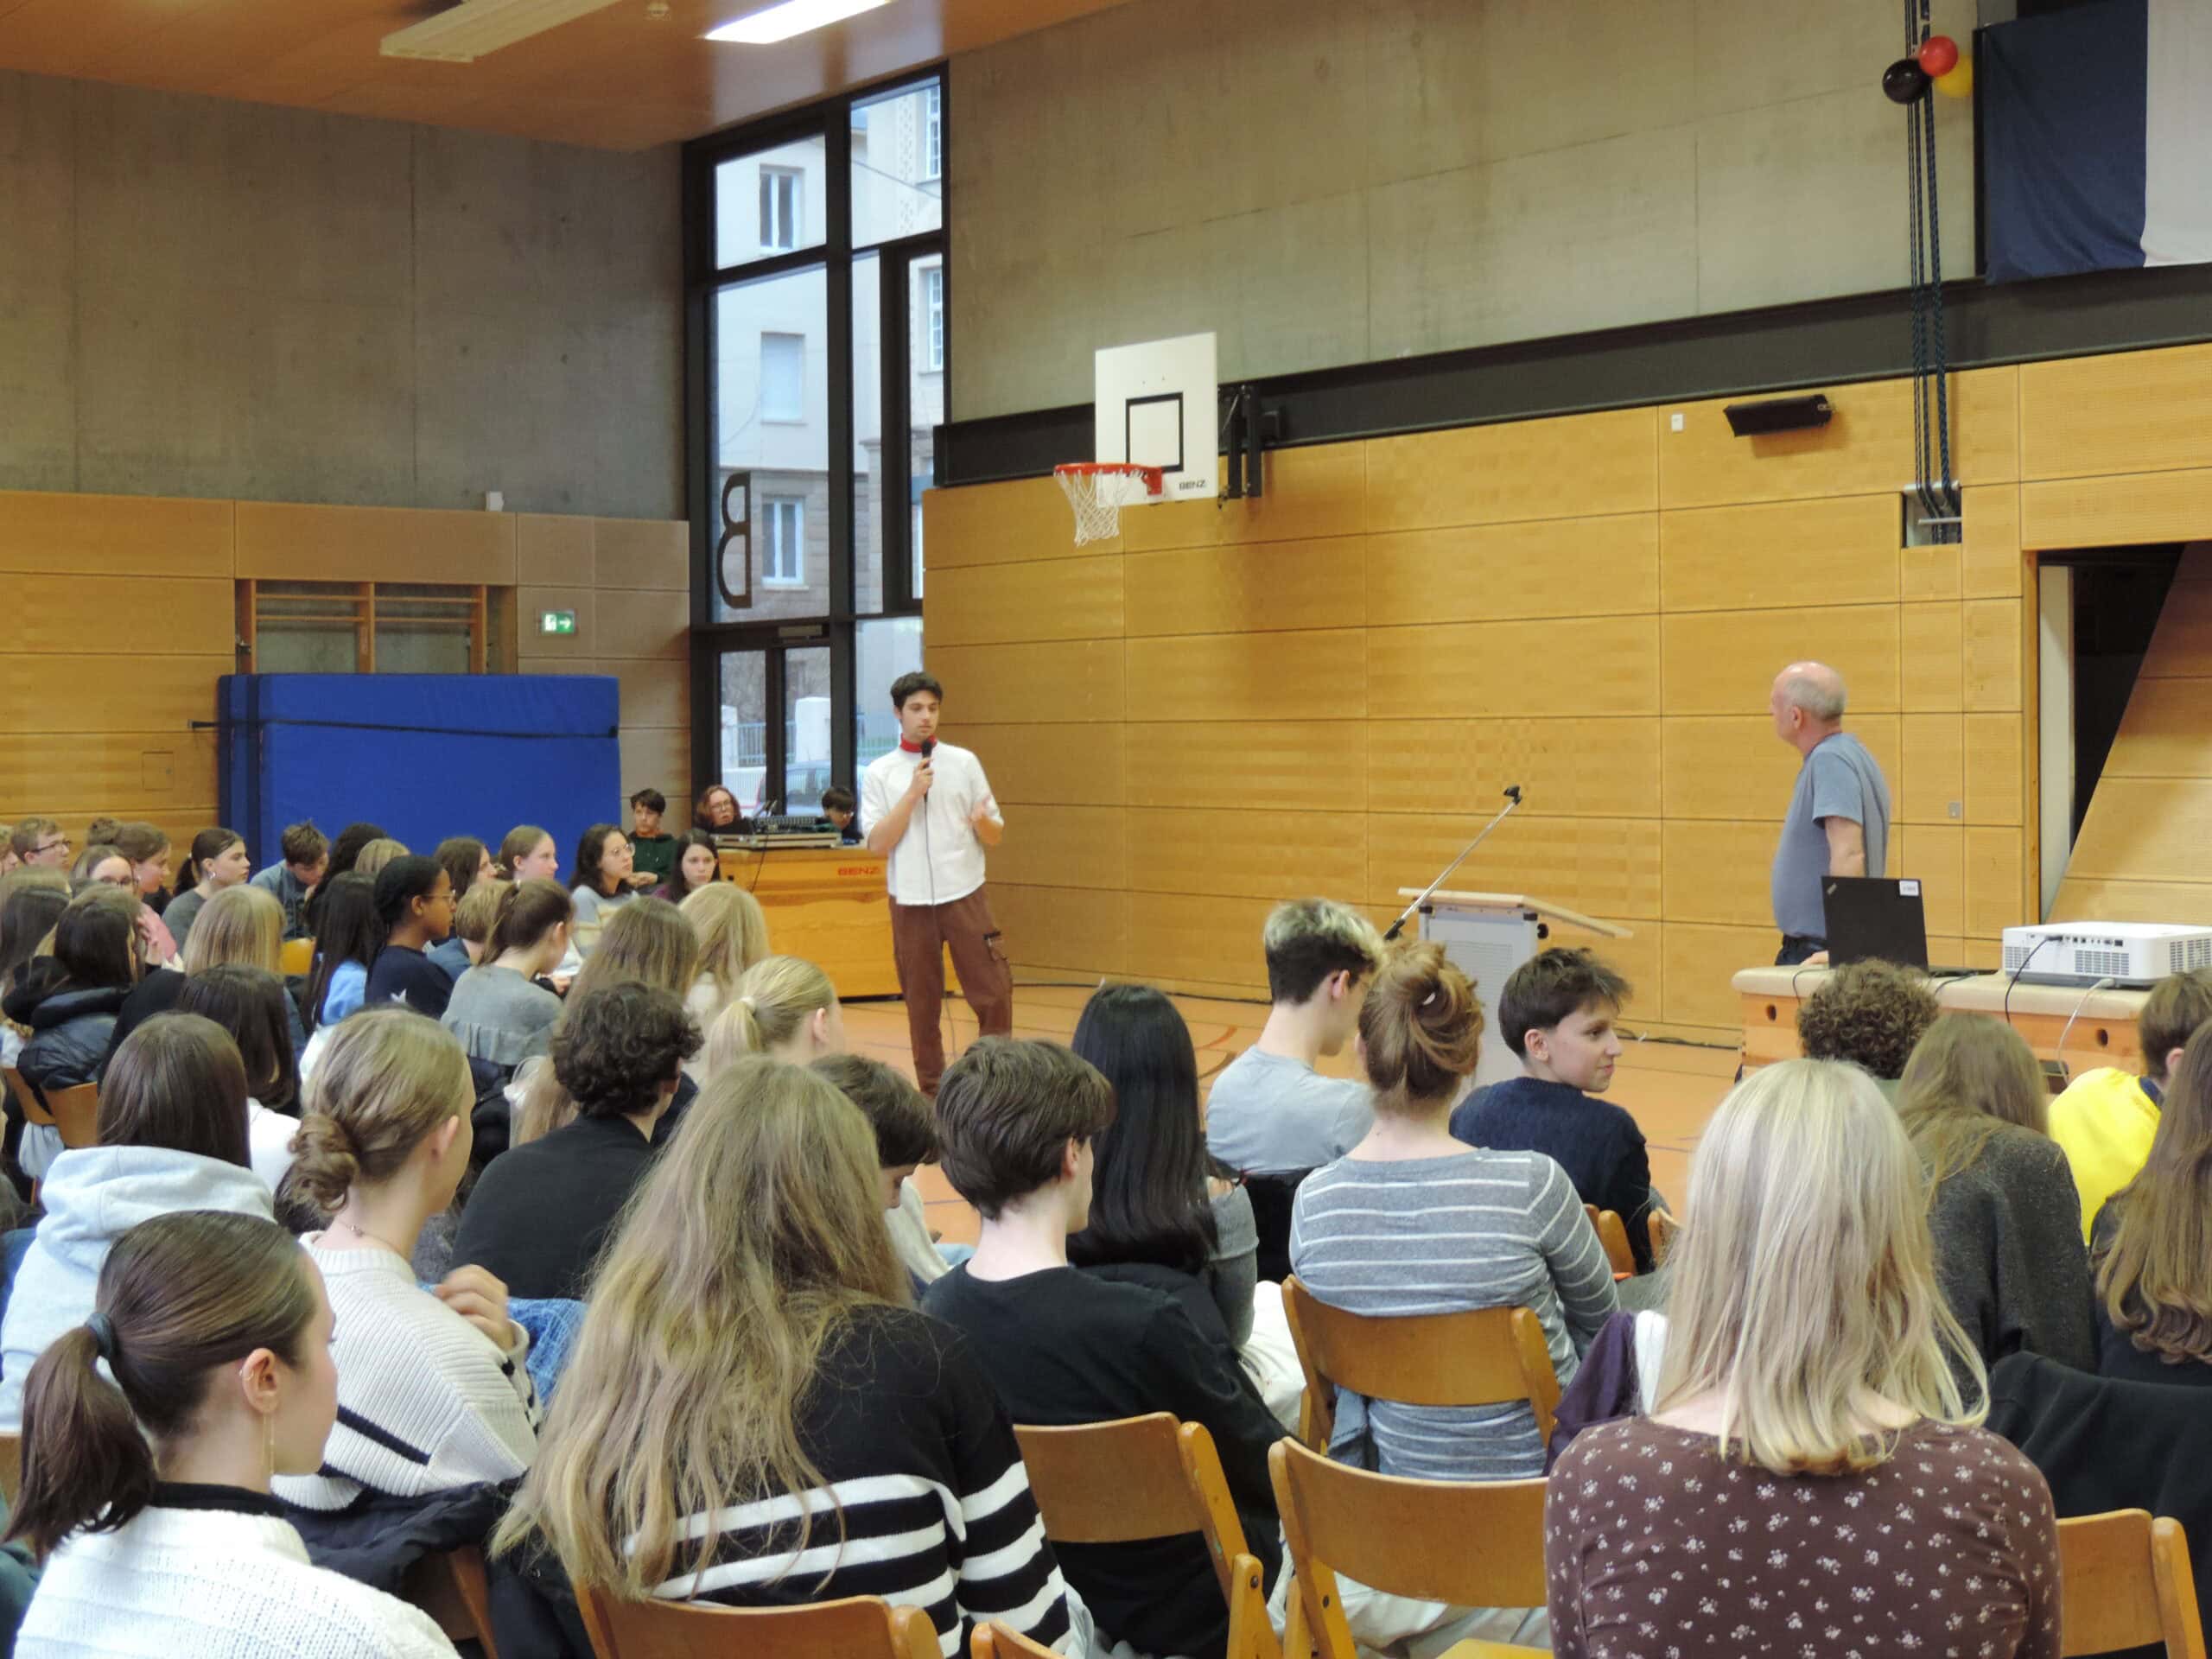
x,y
1778,415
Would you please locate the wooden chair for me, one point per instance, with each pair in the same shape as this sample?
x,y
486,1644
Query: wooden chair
x,y
1137,1477
1489,1356
11,1467
1468,1543
298,957
1250,1635
75,1111
861,1627
2128,1584
1612,1233
452,1589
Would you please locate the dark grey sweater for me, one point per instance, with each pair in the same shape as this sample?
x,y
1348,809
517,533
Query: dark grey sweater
x,y
2009,1254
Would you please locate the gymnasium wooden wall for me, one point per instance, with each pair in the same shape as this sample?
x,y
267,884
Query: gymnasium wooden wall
x,y
120,616
1325,691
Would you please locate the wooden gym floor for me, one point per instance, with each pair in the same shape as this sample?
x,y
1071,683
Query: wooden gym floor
x,y
1670,1089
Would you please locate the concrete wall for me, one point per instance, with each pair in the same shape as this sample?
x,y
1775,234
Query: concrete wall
x,y
1324,184
200,297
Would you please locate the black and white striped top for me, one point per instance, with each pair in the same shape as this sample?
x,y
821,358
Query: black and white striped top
x,y
1394,1239
921,1463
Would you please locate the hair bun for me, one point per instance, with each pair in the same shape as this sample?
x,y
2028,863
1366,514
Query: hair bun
x,y
325,1164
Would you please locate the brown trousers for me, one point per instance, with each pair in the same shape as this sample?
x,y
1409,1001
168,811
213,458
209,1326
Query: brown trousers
x,y
920,934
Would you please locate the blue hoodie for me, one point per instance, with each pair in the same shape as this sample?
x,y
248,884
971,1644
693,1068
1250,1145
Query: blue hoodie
x,y
92,1196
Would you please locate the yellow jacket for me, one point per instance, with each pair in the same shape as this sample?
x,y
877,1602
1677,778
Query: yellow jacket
x,y
2104,1123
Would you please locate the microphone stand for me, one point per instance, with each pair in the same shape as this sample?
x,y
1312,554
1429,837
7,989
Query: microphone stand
x,y
1512,800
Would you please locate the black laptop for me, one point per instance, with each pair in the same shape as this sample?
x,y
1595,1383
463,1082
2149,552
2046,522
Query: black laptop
x,y
1873,918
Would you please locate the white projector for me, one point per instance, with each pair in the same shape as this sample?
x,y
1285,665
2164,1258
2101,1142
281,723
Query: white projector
x,y
2126,953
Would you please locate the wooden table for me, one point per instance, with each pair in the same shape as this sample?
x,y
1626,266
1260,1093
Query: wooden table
x,y
2104,1033
829,904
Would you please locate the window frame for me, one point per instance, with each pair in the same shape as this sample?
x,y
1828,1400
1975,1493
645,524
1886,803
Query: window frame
x,y
777,511
774,176
933,319
934,133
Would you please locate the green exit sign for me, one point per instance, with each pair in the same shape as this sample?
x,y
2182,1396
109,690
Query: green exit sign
x,y
556,622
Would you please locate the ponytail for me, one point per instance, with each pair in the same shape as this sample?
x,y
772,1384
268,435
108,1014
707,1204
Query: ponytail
x,y
1420,1026
207,847
389,1077
85,1464
528,912
774,998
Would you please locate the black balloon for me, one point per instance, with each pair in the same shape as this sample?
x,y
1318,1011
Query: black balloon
x,y
1904,80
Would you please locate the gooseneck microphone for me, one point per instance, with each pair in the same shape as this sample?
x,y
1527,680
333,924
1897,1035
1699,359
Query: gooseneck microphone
x,y
1512,800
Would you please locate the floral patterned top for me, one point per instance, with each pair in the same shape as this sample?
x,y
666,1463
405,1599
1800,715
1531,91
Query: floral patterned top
x,y
1658,1548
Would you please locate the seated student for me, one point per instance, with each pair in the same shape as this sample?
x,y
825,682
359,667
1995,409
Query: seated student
x,y
173,1136
71,1011
747,1353
498,1010
539,1214
415,905
2106,1119
1153,1204
785,1008
2153,1308
529,855
715,812
652,852
1269,1111
841,810
468,861
1557,1012
242,925
1412,1221
732,934
218,859
1016,1121
1812,1481
248,1003
353,934
698,866
1870,1013
40,843
475,912
101,861
151,1432
379,855
293,882
602,883
31,903
905,1126
344,853
2001,1204
433,1391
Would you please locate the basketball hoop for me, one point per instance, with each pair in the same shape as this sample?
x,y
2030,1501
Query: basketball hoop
x,y
1098,490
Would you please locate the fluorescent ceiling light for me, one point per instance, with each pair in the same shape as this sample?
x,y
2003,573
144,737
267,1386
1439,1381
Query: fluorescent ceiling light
x,y
464,33
792,17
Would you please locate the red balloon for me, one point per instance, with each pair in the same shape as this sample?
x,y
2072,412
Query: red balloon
x,y
1939,55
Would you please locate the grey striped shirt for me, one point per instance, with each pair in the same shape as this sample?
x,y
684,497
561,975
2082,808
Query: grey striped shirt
x,y
1439,1236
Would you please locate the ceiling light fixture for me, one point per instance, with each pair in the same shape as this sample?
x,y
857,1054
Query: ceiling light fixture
x,y
780,23
464,33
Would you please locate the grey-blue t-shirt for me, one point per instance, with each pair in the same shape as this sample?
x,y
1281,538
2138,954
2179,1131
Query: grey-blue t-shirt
x,y
1839,779
1271,1115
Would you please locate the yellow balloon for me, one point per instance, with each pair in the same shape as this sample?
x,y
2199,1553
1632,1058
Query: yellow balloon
x,y
1959,83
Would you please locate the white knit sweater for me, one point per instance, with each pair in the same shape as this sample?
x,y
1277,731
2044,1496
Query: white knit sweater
x,y
425,1401
211,1584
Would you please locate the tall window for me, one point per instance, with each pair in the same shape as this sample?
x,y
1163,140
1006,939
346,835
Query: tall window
x,y
933,132
783,541
782,199
933,318
783,377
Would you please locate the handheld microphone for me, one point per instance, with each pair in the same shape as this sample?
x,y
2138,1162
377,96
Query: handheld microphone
x,y
929,747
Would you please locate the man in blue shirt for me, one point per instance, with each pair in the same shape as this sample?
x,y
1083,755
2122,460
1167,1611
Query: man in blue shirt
x,y
1838,818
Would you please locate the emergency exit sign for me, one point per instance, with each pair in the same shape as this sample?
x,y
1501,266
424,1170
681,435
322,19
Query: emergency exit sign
x,y
556,622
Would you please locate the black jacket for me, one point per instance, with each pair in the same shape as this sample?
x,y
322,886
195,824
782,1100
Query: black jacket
x,y
539,1214
375,1539
69,1032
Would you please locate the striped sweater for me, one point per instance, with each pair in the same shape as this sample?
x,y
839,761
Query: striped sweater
x,y
1441,1236
425,1401
926,1481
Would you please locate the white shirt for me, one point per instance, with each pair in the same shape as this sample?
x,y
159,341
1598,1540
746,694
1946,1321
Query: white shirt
x,y
940,859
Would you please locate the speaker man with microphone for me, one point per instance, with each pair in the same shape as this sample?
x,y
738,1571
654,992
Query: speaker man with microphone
x,y
929,813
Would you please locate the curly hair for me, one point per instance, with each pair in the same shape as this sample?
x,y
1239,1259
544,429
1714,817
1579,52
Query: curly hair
x,y
613,1050
1872,1014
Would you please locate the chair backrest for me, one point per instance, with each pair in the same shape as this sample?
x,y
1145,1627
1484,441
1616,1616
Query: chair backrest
x,y
1470,1543
1250,1635
11,1467
860,1627
74,1111
297,957
452,1588
1612,1233
2128,1584
1487,1356
28,1100
1136,1477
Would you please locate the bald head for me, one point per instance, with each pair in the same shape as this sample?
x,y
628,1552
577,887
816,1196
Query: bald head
x,y
1807,703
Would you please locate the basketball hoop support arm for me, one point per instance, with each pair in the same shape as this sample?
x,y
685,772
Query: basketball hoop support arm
x,y
1250,429
1512,800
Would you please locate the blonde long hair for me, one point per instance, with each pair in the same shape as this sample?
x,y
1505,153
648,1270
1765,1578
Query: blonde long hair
x,y
1804,1287
733,935
772,999
1967,1079
244,924
732,1267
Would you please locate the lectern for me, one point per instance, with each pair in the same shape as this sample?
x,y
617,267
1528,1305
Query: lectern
x,y
1487,936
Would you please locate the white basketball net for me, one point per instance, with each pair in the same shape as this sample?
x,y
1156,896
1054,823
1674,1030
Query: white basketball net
x,y
1098,494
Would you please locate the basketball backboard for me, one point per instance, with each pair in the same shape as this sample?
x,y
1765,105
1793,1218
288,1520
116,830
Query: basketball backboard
x,y
1159,405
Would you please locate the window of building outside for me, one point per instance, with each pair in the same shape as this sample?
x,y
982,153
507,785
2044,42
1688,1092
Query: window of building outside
x,y
819,288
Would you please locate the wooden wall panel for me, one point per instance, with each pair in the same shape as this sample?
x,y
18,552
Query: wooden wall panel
x,y
1486,573
581,646
1696,964
1598,665
2107,899
1735,767
1255,588
647,553
1995,633
1602,463
1032,765
1046,599
1996,762
1077,930
1001,524
554,550
117,534
2117,511
1929,637
306,542
1724,662
135,616
653,693
1567,767
1986,425
1990,565
643,623
1314,491
2146,828
1080,680
2164,732
1933,774
85,693
1246,853
2127,412
1837,552
1601,867
58,774
653,757
1934,854
2181,646
1314,766
1715,870
1065,847
1309,676
1996,879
